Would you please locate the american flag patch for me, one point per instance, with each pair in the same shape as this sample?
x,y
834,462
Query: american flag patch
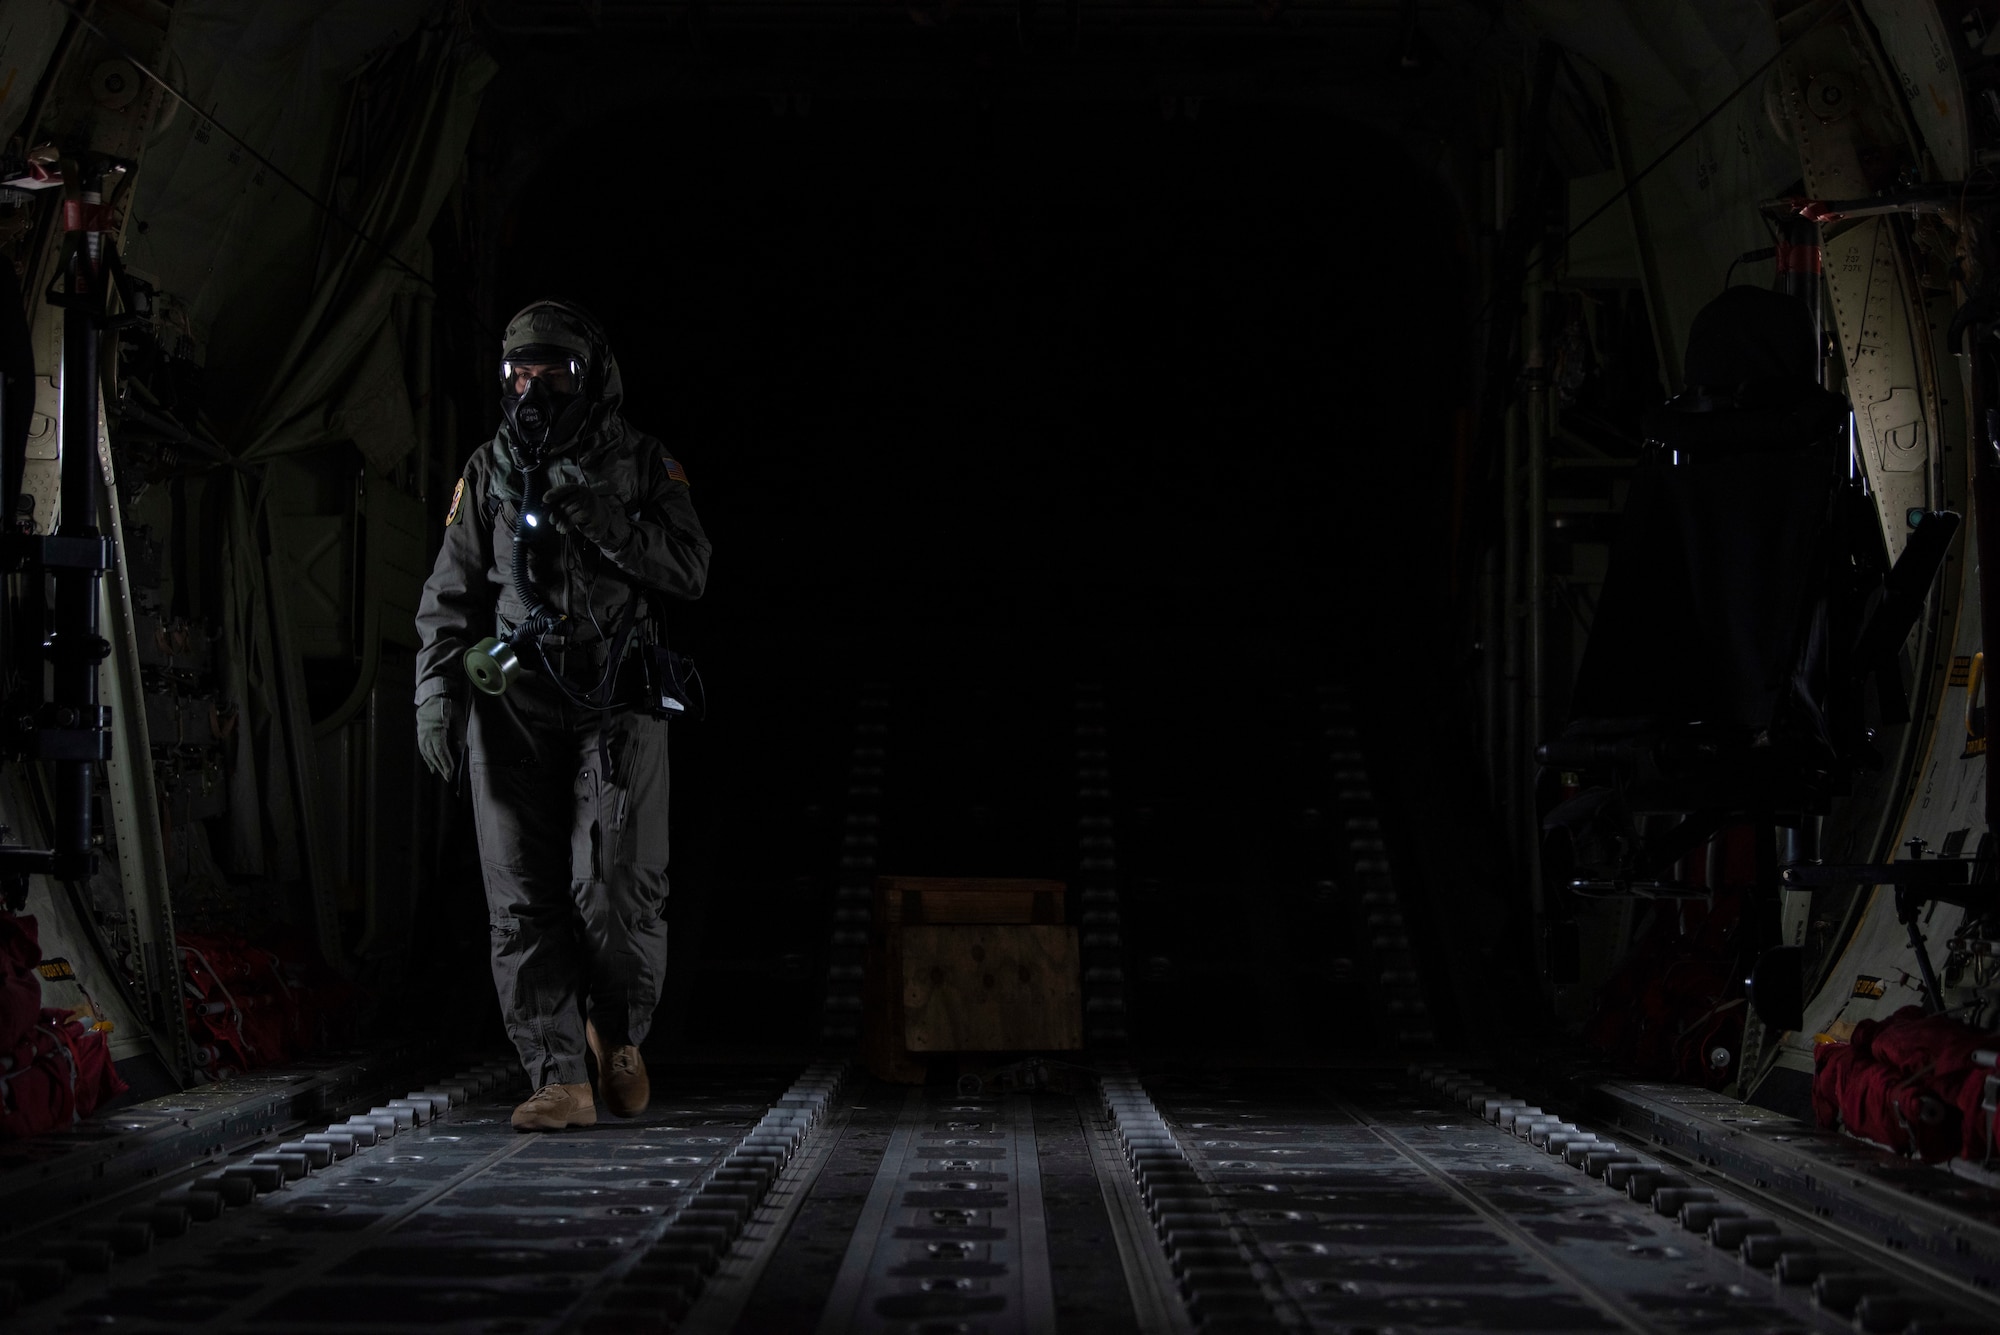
x,y
675,471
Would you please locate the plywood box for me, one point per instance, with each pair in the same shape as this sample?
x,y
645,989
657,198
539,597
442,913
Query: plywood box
x,y
967,965
934,899
991,988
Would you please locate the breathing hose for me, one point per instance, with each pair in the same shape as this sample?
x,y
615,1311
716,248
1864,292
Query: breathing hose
x,y
493,664
540,619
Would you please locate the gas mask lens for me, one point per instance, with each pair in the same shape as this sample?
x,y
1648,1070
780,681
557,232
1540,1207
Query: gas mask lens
x,y
560,374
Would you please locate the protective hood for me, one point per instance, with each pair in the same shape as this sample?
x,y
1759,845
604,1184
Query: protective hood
x,y
558,324
548,324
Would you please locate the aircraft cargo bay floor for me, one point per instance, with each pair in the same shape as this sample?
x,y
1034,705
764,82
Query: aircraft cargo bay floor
x,y
779,1199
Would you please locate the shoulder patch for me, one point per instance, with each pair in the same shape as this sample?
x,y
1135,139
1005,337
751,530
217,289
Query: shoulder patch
x,y
457,495
675,471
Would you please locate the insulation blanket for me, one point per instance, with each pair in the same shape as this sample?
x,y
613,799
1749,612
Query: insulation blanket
x,y
1910,1082
53,1076
250,1007
54,1068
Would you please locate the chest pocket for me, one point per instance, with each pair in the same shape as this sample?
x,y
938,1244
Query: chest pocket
x,y
620,471
500,520
623,475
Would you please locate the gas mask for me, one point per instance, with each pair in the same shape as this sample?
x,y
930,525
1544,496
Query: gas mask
x,y
548,410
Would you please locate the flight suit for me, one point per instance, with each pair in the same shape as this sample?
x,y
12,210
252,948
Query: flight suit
x,y
570,802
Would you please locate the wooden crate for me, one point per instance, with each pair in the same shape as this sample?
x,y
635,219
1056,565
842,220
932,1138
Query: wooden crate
x,y
988,901
967,965
1013,988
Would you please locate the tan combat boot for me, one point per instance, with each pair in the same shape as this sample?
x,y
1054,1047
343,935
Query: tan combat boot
x,y
553,1107
621,1076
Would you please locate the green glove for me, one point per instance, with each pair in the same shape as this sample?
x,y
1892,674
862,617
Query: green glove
x,y
441,734
590,509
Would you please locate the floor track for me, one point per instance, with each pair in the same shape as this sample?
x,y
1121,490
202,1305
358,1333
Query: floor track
x,y
953,1227
1337,1201
1367,1202
457,1223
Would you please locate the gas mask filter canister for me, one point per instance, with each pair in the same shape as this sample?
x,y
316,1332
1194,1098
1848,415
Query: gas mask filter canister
x,y
492,665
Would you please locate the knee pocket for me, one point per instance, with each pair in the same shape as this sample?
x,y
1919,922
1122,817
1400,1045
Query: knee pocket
x,y
645,921
645,888
518,827
640,839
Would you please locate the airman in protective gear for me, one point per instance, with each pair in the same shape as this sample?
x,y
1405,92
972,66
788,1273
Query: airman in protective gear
x,y
570,534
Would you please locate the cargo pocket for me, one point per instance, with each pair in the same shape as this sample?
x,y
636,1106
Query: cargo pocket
x,y
500,817
637,809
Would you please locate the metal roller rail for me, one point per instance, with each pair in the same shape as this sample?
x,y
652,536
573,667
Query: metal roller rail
x,y
184,1159
656,1286
1369,1204
1101,935
1250,1202
1212,1263
1800,1251
430,1212
854,896
1397,999
1926,1215
726,1291
91,1165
